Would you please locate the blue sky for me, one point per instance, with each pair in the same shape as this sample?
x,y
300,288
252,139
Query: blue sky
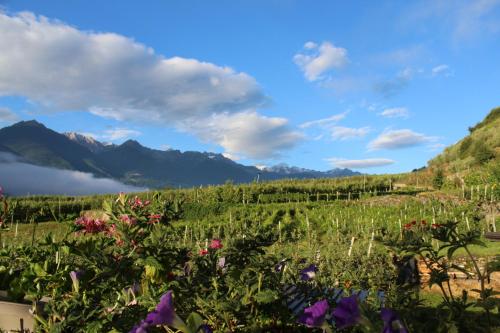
x,y
375,86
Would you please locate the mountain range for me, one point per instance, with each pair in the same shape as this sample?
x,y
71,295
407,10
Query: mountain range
x,y
135,164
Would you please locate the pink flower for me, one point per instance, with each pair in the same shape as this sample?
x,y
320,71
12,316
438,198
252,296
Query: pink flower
x,y
216,244
91,226
138,203
203,252
154,218
128,220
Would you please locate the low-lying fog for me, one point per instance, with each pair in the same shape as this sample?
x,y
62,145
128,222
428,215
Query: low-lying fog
x,y
19,178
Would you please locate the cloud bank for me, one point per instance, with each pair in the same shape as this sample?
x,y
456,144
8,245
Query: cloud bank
x,y
19,178
62,68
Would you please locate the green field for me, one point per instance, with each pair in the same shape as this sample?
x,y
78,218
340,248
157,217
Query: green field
x,y
350,229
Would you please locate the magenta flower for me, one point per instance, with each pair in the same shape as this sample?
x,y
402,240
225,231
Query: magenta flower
x,y
216,244
347,312
91,226
164,314
138,203
128,220
154,218
308,273
392,322
314,316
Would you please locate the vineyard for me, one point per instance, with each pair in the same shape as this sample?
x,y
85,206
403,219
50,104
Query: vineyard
x,y
285,256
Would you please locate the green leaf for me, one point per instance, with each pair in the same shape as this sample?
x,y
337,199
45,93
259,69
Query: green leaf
x,y
107,207
194,321
266,296
39,271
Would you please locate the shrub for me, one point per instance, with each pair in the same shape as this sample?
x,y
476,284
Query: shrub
x,y
438,179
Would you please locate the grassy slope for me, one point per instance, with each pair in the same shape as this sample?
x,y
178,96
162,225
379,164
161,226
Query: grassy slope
x,y
461,155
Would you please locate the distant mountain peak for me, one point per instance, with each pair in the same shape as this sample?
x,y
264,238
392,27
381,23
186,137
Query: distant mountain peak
x,y
85,140
29,123
286,169
132,144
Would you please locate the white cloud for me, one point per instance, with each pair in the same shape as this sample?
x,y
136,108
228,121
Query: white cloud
x,y
119,133
113,76
310,45
113,134
231,156
441,70
6,115
344,133
247,133
315,64
396,139
64,69
325,121
395,113
19,178
359,164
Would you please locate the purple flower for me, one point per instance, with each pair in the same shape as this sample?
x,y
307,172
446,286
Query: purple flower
x,y
164,314
308,273
392,322
347,312
314,316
